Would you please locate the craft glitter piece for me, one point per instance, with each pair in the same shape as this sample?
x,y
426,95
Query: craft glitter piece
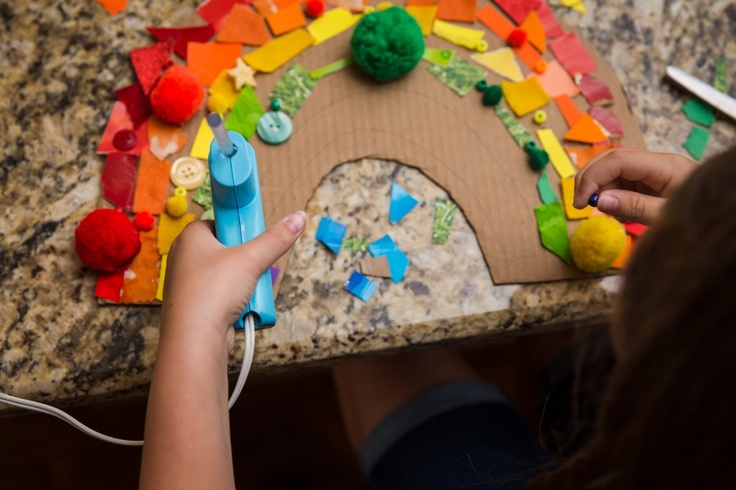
x,y
444,214
459,75
517,131
203,194
293,89
356,244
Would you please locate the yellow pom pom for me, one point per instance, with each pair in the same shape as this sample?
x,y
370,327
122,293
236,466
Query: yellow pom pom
x,y
176,206
597,243
217,103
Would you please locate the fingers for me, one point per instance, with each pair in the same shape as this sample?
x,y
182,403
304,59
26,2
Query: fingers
x,y
630,206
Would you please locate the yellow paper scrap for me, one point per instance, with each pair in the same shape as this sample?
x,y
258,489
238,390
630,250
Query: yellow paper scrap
x,y
526,96
278,51
501,61
560,161
424,15
332,23
568,193
462,36
160,290
201,146
575,5
169,228
225,88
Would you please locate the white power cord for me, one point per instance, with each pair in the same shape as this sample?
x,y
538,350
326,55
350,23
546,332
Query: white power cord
x,y
55,412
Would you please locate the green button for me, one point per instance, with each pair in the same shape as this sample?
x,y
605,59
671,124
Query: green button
x,y
274,127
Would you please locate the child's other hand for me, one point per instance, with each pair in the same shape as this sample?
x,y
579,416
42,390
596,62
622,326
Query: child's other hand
x,y
208,285
632,184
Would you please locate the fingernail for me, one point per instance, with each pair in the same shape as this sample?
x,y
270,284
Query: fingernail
x,y
608,204
296,222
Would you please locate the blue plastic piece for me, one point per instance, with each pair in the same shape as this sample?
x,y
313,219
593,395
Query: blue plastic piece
x,y
360,286
401,203
398,262
331,233
236,199
593,201
382,246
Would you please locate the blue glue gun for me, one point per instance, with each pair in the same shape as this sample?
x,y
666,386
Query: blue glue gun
x,y
236,200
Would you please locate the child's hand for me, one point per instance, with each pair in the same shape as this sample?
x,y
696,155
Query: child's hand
x,y
208,285
632,184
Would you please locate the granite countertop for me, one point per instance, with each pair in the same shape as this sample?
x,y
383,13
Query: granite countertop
x,y
61,63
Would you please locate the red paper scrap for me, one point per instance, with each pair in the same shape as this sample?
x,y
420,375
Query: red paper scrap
x,y
517,10
119,119
150,61
215,11
110,285
595,91
183,36
243,26
456,10
635,229
551,28
118,179
572,55
136,103
608,120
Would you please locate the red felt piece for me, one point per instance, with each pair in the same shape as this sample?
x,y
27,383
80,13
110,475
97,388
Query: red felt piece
x,y
635,229
517,9
177,95
608,120
110,285
551,28
106,240
572,55
595,91
215,11
144,221
135,102
119,120
517,38
149,61
118,179
183,36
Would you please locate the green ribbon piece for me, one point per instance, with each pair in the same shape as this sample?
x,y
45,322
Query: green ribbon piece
x,y
331,68
517,131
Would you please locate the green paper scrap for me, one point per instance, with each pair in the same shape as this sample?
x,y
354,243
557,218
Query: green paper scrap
x,y
444,213
203,194
441,57
331,68
246,112
720,79
699,112
553,229
695,144
293,89
356,244
459,75
518,132
546,193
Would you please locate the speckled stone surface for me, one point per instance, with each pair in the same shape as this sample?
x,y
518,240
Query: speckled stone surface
x,y
61,62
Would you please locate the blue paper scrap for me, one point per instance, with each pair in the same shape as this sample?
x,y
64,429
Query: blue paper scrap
x,y
360,286
398,262
331,233
401,203
382,246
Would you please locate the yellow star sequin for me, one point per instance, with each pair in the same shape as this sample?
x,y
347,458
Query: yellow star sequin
x,y
242,74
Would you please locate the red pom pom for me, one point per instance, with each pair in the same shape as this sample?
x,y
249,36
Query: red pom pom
x,y
177,95
517,38
106,240
315,8
143,221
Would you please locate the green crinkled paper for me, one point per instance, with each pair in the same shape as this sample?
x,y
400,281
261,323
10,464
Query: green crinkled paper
x,y
293,89
459,75
444,214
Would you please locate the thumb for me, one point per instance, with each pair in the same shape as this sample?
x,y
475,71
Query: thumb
x,y
260,253
630,205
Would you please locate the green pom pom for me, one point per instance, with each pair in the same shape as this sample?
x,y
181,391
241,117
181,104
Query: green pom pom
x,y
492,95
538,159
387,43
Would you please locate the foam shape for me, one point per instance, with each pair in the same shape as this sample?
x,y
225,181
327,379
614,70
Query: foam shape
x,y
557,155
398,263
556,81
424,15
331,23
140,280
517,10
215,11
697,141
382,246
595,90
246,112
164,138
586,130
502,62
277,52
109,285
572,55
552,228
169,227
608,120
119,119
568,109
552,28
242,74
698,112
243,26
456,10
546,193
360,286
207,60
118,179
525,97
161,277
202,140
568,194
136,103
152,184
286,19
401,203
224,87
149,61
495,22
375,266
182,36
534,29
331,233
458,35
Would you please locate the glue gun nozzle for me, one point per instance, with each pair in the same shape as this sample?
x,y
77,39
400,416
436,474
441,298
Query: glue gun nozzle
x,y
221,137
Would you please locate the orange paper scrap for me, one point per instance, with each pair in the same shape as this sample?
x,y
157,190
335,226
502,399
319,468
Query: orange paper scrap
x,y
164,138
114,7
525,97
424,15
287,19
568,194
556,81
456,10
169,228
207,60
620,262
151,185
140,281
243,26
534,29
568,109
586,130
529,56
420,3
580,155
278,51
495,22
265,7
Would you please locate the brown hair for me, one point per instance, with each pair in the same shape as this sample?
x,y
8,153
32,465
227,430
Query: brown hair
x,y
668,416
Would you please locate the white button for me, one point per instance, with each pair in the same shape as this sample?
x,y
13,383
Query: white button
x,y
188,172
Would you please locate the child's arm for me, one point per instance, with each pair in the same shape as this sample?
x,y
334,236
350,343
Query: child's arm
x,y
187,436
